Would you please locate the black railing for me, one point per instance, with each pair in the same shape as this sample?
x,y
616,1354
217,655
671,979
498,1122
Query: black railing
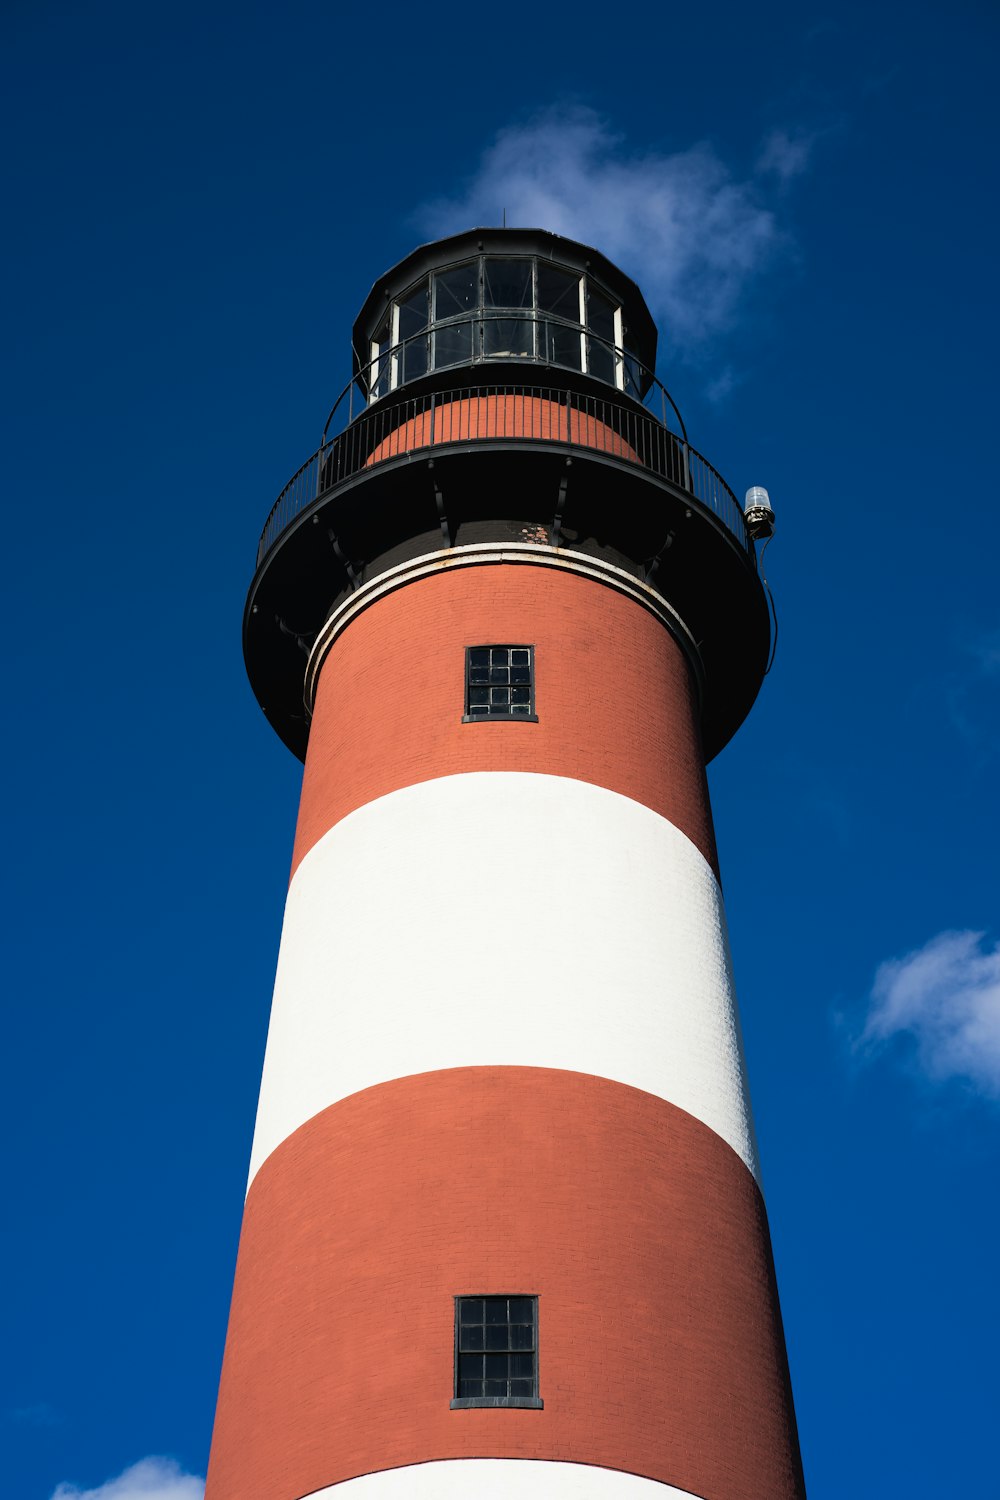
x,y
618,429
503,337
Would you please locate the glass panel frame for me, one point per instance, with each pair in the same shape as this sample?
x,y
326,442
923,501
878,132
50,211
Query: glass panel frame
x,y
554,315
508,1376
497,690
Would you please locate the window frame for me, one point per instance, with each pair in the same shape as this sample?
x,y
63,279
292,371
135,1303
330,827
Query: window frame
x,y
505,718
385,366
471,1403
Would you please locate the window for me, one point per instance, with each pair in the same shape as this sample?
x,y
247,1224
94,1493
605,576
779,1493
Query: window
x,y
496,1351
499,683
501,308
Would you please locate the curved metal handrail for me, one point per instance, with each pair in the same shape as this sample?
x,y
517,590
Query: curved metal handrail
x,y
364,376
618,429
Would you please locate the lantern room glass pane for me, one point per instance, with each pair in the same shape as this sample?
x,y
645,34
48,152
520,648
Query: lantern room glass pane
x,y
453,345
600,315
380,366
413,358
559,345
558,292
601,361
600,350
413,313
508,336
507,283
456,291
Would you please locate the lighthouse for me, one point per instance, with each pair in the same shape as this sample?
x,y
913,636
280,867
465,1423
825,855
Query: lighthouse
x,y
504,1230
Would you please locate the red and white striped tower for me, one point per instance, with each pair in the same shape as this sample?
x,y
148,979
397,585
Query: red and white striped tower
x,y
504,1204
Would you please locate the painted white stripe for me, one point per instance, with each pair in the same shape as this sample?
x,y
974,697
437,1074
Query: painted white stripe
x,y
498,1479
504,918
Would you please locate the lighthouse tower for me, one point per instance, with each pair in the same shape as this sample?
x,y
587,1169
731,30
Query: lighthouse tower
x,y
504,1232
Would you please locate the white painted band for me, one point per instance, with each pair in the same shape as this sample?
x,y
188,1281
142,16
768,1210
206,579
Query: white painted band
x,y
499,1479
538,553
504,918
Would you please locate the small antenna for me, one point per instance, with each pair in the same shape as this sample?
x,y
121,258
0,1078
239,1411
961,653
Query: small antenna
x,y
505,218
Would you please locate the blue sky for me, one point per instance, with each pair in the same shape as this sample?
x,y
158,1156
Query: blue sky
x,y
198,199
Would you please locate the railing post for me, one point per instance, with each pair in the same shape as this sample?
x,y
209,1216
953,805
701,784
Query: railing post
x,y
433,406
687,465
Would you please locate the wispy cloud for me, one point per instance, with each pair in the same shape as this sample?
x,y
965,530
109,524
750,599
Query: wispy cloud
x,y
944,999
681,223
785,154
149,1479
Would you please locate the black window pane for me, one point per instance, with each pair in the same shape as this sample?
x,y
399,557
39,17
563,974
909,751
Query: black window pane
x,y
456,291
503,337
559,345
452,345
489,691
600,315
601,361
413,358
507,283
497,1375
558,292
413,314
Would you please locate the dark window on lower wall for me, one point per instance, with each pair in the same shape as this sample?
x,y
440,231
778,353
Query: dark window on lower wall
x,y
496,1352
499,682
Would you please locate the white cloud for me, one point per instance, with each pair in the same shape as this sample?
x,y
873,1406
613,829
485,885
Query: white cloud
x,y
945,997
680,223
149,1479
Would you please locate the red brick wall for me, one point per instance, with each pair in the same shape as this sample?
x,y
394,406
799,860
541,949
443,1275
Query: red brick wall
x,y
479,418
614,696
642,1233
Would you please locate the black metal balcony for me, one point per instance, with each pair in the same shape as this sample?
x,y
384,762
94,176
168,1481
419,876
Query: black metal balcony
x,y
581,467
614,426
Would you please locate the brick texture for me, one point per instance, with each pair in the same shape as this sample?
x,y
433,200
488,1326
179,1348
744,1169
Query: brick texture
x,y
643,1235
616,706
482,418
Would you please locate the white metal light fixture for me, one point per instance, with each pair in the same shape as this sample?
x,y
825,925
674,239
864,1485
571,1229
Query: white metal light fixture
x,y
758,512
